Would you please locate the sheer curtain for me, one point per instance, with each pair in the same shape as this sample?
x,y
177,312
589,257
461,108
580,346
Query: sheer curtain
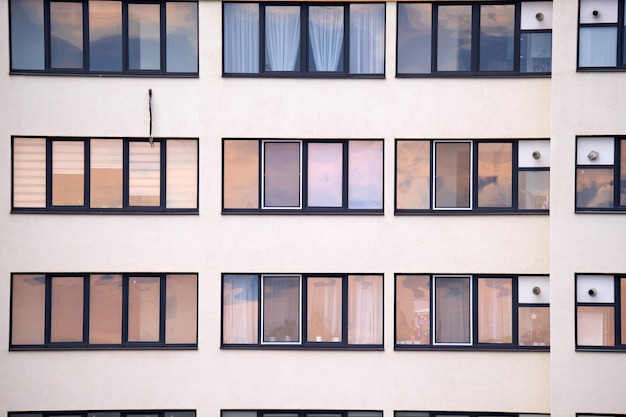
x,y
367,38
326,36
598,46
365,310
282,37
324,310
241,37
241,309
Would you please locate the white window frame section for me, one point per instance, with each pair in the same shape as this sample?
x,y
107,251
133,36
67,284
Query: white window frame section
x,y
471,175
434,311
262,176
262,318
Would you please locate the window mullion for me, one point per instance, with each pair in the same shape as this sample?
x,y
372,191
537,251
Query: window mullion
x,y
517,41
617,172
163,34
474,300
515,174
163,174
262,43
86,312
87,174
125,279
48,309
162,307
125,64
515,311
85,36
344,309
434,39
48,173
346,176
475,44
46,34
304,39
346,39
126,174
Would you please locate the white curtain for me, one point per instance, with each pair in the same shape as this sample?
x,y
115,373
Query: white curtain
x,y
241,37
326,35
367,38
282,37
365,309
241,309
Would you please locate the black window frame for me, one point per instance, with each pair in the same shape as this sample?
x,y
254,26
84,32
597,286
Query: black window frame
x,y
304,208
473,197
303,46
303,344
126,207
619,346
303,413
90,413
620,58
474,343
126,71
475,45
85,345
407,413
617,207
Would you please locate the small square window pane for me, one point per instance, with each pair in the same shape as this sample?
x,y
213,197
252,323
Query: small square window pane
x,y
29,172
367,38
66,312
28,300
282,38
241,309
413,309
105,309
68,173
497,29
182,174
594,188
241,174
452,310
454,38
413,175
144,36
536,52
325,174
414,38
144,308
534,190
145,174
324,309
365,174
595,326
597,47
181,35
27,35
241,37
495,174
603,287
181,309
534,326
326,38
106,172
66,35
452,175
603,150
281,169
365,309
281,309
105,35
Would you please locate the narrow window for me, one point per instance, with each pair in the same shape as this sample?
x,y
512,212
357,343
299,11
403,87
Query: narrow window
x,y
106,173
325,174
452,175
454,38
241,174
67,300
495,174
105,36
105,309
595,173
367,41
144,36
497,29
181,36
365,174
365,309
181,318
27,35
145,174
240,309
595,310
414,38
495,310
28,303
144,309
452,310
29,172
413,175
68,173
282,38
241,37
413,309
281,309
182,174
281,174
324,309
66,35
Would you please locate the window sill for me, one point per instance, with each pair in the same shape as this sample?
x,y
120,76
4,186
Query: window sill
x,y
108,212
106,74
316,76
102,347
414,348
304,213
470,212
305,347
478,75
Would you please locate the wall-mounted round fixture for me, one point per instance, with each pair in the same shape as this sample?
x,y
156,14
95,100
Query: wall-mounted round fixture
x,y
592,292
536,154
595,13
593,155
539,16
536,290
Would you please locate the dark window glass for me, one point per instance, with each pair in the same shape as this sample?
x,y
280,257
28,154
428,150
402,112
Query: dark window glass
x,y
144,36
452,310
497,29
182,36
281,174
454,38
414,38
66,35
281,309
495,174
27,35
452,175
105,35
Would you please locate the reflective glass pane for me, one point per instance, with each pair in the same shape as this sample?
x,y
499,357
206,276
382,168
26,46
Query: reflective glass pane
x,y
622,285
535,52
282,38
414,38
241,174
326,38
367,38
534,326
495,174
105,35
281,171
241,309
29,172
534,190
365,174
27,35
597,47
68,173
325,175
181,36
413,174
28,302
497,30
495,310
452,175
106,173
182,174
454,38
281,309
413,309
181,308
66,34
241,37
144,36
66,311
452,310
594,187
324,310
622,184
144,174
595,326
105,309
365,309
144,299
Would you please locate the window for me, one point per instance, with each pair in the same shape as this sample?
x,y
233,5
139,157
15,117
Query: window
x,y
104,36
600,166
106,413
105,175
475,38
461,414
601,35
303,175
291,413
296,40
601,311
102,311
302,310
489,176
472,311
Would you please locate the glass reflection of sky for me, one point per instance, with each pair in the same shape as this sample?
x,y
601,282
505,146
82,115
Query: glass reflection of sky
x,y
325,174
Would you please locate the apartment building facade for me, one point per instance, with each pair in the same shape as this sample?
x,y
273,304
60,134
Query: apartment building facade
x,y
321,209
